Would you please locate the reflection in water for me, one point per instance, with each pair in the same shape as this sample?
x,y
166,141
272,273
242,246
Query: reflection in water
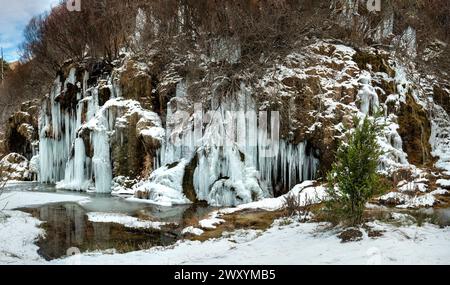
x,y
442,215
66,226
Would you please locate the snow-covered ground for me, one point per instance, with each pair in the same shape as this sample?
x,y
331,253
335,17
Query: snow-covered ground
x,y
296,243
288,242
19,231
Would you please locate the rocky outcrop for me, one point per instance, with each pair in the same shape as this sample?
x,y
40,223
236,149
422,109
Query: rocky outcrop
x,y
15,167
136,83
441,95
415,131
112,120
134,146
21,131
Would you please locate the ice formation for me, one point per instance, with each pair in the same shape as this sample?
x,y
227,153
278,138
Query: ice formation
x,y
235,159
367,95
235,153
62,157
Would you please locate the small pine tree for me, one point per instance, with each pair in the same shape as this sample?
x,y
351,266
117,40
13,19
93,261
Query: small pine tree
x,y
354,180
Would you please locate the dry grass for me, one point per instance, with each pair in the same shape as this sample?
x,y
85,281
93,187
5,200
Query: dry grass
x,y
191,220
255,219
292,205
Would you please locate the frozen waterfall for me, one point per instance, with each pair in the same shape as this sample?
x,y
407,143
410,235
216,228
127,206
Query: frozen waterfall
x,y
237,153
63,158
234,152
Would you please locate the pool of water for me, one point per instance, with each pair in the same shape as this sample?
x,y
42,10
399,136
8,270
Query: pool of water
x,y
67,226
442,215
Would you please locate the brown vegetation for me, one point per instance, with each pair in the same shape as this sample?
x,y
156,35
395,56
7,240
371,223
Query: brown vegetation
x,y
415,130
254,219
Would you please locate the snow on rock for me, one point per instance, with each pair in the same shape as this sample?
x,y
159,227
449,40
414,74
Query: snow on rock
x,y
443,183
402,200
440,192
14,167
427,200
212,221
393,198
34,165
125,220
164,187
306,193
414,187
193,231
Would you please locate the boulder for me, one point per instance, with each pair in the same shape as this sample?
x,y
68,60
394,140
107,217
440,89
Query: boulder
x,y
22,130
14,167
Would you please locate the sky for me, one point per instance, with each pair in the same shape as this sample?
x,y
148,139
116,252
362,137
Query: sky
x,y
14,16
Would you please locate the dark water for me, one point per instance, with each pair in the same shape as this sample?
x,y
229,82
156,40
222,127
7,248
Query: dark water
x,y
441,216
67,226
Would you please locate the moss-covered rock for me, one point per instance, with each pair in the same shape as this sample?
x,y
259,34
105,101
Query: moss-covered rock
x,y
415,130
441,96
127,151
136,83
374,61
188,180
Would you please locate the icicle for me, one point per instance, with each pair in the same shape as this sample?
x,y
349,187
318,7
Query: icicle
x,y
101,162
368,96
238,160
62,155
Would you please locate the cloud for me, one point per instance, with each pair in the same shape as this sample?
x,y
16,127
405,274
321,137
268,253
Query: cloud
x,y
14,16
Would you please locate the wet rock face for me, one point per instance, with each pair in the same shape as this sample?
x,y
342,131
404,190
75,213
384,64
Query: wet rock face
x,y
415,131
441,95
375,62
136,83
14,167
133,145
22,130
188,180
128,151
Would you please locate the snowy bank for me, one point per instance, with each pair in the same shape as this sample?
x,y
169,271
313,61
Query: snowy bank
x,y
127,221
296,244
14,200
18,232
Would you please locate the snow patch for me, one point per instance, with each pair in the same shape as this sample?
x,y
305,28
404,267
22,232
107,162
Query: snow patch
x,y
127,221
